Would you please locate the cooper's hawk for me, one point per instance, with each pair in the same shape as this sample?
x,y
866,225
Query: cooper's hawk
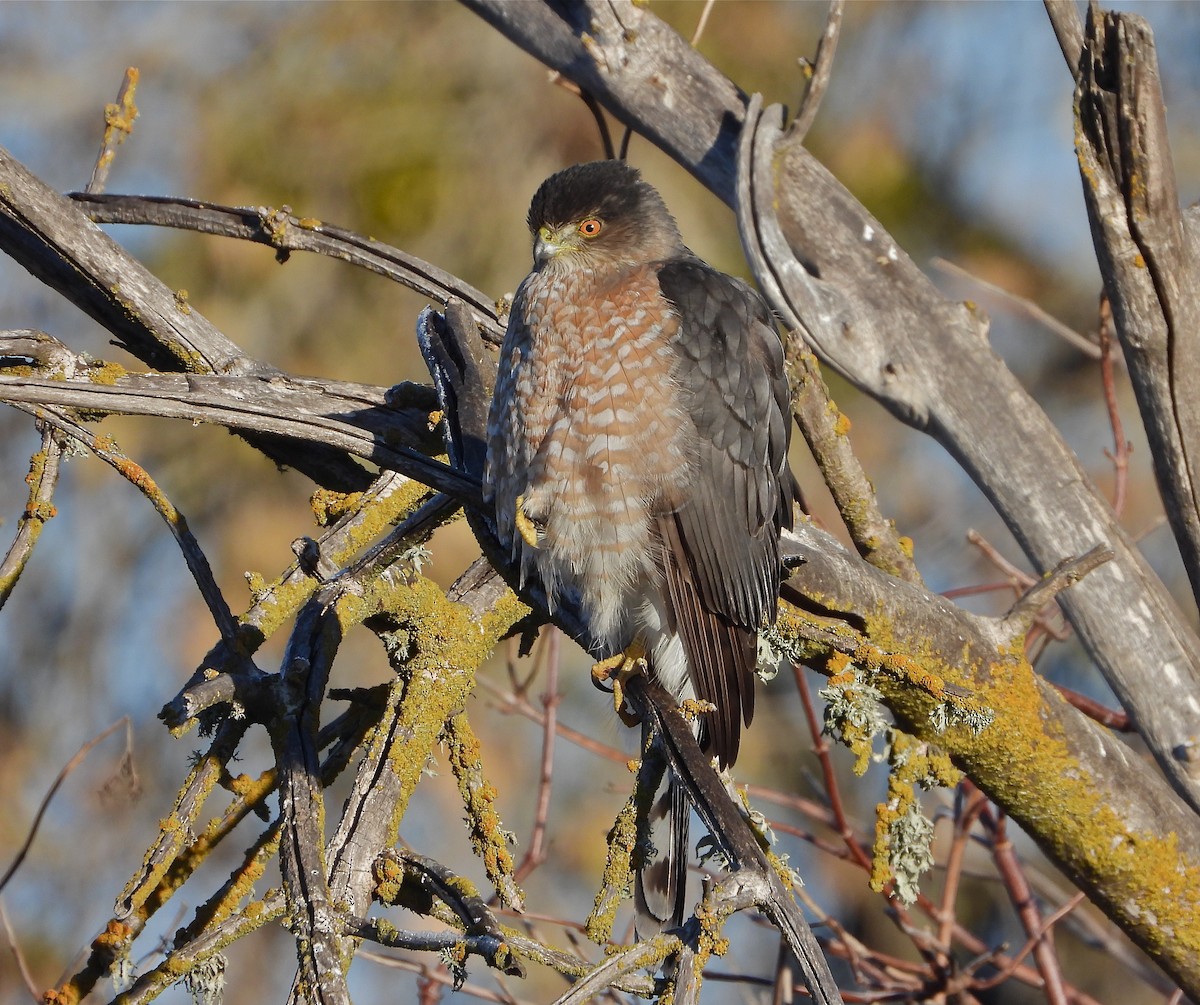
x,y
637,446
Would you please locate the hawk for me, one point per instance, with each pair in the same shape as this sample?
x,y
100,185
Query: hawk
x,y
637,450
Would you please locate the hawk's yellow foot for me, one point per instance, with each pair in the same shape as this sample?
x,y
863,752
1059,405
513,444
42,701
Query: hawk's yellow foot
x,y
618,669
525,527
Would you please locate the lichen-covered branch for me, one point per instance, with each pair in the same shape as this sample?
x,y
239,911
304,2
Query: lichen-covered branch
x,y
1051,768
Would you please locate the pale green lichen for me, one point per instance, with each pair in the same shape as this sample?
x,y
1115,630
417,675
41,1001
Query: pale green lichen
x,y
953,712
205,982
910,837
854,713
903,833
767,661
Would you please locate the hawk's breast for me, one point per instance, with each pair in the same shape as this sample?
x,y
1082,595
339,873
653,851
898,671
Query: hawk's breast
x,y
590,433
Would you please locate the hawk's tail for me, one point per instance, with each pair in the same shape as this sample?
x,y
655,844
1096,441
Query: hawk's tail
x,y
661,858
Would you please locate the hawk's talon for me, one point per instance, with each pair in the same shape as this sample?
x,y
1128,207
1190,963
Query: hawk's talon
x,y
618,669
525,527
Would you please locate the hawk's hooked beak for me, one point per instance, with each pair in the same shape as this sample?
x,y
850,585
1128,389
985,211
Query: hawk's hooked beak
x,y
544,248
548,242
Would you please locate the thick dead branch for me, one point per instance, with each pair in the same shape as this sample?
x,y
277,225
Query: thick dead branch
x,y
51,237
870,314
1149,252
347,418
642,71
1050,767
306,664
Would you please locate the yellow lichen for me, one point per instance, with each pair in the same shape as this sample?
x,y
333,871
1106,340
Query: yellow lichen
x,y
617,879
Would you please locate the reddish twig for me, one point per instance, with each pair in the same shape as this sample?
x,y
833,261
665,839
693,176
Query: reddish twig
x,y
511,702
1119,455
979,588
1019,579
821,748
1030,943
1038,931
971,803
1112,718
536,854
22,967
1043,626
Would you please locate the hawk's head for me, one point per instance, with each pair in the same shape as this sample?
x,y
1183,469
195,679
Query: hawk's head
x,y
600,215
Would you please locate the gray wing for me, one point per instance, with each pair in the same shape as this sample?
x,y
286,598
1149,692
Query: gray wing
x,y
720,558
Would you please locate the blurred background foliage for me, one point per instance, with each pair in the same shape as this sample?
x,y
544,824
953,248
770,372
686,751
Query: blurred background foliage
x,y
417,124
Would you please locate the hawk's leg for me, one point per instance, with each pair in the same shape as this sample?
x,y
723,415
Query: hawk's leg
x,y
618,669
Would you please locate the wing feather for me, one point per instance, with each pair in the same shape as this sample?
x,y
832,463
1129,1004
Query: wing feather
x,y
720,547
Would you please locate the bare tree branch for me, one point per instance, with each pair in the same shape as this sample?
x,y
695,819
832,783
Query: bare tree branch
x,y
282,230
870,315
52,238
1149,253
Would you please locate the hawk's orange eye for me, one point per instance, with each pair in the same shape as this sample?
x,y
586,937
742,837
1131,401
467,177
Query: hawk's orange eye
x,y
590,228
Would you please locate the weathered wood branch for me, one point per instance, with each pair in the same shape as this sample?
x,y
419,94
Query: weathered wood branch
x,y
1149,253
387,427
1095,806
284,231
300,691
875,318
641,71
51,237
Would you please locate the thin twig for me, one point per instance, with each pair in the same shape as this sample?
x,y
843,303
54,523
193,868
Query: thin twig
x,y
44,468
818,73
1112,718
118,124
702,23
536,854
969,807
438,976
593,106
1119,455
1022,305
22,967
1037,930
285,232
821,748
197,562
511,702
70,766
